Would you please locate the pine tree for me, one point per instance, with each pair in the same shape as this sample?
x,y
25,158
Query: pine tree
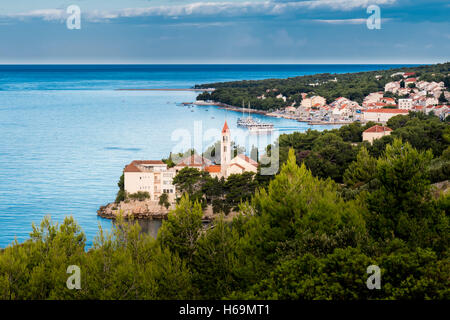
x,y
181,230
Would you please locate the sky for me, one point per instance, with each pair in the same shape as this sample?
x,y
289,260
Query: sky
x,y
224,31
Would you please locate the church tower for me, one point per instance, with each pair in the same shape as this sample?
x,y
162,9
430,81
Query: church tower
x,y
225,149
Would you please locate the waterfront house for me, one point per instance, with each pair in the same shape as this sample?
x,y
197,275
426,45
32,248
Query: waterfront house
x,y
381,115
156,178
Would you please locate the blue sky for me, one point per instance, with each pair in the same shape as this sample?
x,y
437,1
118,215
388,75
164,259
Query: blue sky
x,y
225,31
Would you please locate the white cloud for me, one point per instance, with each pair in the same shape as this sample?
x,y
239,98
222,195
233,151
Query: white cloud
x,y
342,21
346,21
45,14
265,8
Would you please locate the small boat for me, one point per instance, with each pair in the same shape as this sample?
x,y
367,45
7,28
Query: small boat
x,y
212,118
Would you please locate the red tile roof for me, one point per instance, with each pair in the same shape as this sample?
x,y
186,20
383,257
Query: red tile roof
x,y
132,167
213,168
148,162
387,111
378,128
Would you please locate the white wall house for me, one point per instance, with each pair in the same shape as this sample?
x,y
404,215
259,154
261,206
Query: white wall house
x,y
382,115
315,100
375,132
150,176
405,104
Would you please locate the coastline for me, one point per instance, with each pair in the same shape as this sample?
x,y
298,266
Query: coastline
x,y
168,89
146,209
225,106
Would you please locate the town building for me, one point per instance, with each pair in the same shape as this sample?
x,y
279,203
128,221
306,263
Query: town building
x,y
375,132
156,178
315,100
405,104
150,176
392,87
371,98
382,115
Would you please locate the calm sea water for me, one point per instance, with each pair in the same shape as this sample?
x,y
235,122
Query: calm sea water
x,y
66,132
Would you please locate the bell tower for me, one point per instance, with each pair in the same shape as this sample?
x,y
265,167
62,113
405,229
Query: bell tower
x,y
225,149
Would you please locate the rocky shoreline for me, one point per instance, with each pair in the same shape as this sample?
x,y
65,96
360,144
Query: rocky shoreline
x,y
146,209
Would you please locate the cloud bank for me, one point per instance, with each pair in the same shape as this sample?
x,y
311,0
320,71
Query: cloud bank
x,y
224,9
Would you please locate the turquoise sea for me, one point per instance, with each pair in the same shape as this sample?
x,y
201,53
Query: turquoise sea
x,y
66,132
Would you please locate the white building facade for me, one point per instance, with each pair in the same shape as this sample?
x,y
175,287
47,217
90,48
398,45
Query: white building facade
x,y
154,176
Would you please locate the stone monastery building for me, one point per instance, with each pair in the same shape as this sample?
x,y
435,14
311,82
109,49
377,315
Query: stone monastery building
x,y
154,177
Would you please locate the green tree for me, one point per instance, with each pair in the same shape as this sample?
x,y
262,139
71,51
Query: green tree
x,y
308,211
239,188
121,194
361,171
181,230
164,200
140,195
330,157
191,181
215,262
402,206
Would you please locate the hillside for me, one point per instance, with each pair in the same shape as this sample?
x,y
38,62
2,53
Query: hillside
x,y
354,86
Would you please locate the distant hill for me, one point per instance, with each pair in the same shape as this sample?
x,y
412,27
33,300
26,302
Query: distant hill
x,y
262,94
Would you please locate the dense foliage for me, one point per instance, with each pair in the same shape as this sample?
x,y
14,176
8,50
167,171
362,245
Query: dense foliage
x,y
223,195
308,233
329,153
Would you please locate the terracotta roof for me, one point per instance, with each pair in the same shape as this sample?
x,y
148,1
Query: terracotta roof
x,y
247,159
387,111
213,168
132,167
148,162
411,80
225,127
378,128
